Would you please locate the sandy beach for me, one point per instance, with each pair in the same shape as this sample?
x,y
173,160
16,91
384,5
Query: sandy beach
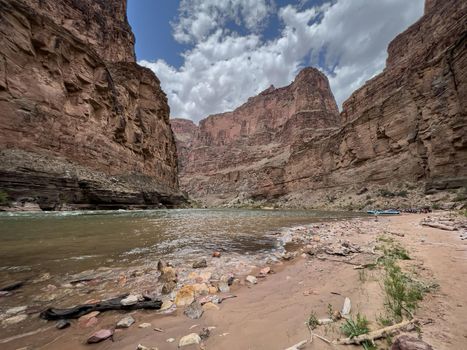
x,y
272,313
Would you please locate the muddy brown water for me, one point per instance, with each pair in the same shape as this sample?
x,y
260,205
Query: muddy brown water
x,y
70,242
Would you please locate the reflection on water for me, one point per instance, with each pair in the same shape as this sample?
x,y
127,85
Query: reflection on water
x,y
58,242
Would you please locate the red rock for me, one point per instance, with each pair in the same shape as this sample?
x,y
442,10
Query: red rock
x,y
81,124
405,342
100,335
216,254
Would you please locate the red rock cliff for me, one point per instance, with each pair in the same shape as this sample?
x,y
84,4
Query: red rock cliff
x,y
82,125
405,126
248,148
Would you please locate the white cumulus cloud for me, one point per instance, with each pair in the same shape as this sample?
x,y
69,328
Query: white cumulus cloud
x,y
347,39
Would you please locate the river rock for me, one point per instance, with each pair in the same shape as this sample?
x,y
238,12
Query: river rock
x,y
210,306
16,310
212,290
194,310
125,322
166,304
216,254
201,288
203,277
14,320
62,324
189,339
185,296
205,333
144,325
223,287
129,300
251,279
168,287
200,264
265,270
168,274
89,319
405,342
100,335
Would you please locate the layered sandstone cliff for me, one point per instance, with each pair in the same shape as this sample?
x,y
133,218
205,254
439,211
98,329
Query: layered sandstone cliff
x,y
81,124
403,129
248,149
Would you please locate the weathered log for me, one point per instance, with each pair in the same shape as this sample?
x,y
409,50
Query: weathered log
x,y
111,304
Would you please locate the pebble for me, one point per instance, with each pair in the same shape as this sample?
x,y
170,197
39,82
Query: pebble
x,y
189,339
251,279
62,324
100,335
144,325
216,254
170,340
200,264
223,287
129,300
205,333
142,347
125,322
194,310
265,270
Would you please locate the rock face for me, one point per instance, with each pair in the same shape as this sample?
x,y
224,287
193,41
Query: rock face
x,y
82,125
247,149
405,126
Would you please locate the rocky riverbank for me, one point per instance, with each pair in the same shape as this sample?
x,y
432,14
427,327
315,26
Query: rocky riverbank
x,y
226,303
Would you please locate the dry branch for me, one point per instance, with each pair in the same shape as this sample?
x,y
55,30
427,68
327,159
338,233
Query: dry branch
x,y
380,333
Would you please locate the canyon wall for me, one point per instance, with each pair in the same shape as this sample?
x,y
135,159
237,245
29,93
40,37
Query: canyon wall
x,y
81,124
247,150
404,129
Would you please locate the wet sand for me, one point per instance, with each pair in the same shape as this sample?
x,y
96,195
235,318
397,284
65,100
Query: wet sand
x,y
272,313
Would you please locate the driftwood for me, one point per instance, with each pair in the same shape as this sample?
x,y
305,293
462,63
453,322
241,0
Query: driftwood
x,y
298,346
380,333
111,304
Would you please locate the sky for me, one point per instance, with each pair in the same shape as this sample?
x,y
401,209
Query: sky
x,y
212,55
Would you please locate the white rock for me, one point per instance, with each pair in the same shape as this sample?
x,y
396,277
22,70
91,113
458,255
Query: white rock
x,y
144,325
125,322
251,279
14,320
189,339
129,300
346,307
170,340
16,310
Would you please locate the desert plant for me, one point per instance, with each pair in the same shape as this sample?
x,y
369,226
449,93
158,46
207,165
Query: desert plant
x,y
402,294
312,321
353,328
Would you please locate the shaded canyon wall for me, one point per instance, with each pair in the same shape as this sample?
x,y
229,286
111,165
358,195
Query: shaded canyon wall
x,y
82,125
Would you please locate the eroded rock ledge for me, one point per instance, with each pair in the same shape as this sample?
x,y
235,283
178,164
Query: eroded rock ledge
x,y
82,125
